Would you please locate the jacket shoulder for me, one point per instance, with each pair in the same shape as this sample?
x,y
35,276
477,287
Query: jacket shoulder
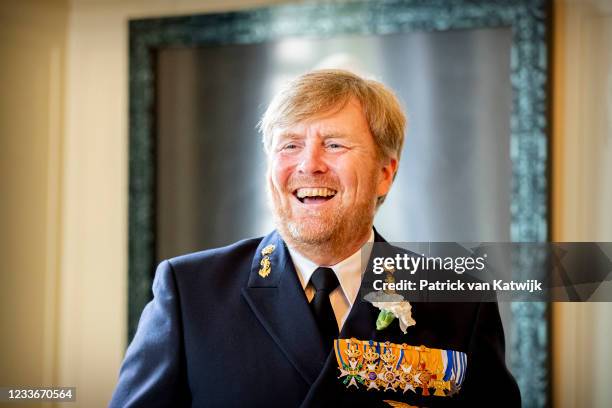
x,y
231,254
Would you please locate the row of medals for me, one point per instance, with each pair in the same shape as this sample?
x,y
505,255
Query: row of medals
x,y
380,372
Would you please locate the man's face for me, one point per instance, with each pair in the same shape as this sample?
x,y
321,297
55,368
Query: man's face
x,y
324,177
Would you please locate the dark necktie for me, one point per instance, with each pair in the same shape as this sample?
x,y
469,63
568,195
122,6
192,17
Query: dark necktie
x,y
324,281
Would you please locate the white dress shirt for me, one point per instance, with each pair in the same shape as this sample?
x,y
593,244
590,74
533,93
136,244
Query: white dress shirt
x,y
348,271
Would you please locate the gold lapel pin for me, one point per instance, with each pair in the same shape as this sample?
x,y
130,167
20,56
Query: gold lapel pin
x,y
266,265
268,250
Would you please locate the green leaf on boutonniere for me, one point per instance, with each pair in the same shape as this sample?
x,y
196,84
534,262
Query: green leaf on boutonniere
x,y
385,318
391,306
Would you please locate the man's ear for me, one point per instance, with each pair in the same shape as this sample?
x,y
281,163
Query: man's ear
x,y
388,171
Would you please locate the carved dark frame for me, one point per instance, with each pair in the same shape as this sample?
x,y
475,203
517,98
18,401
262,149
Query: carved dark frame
x,y
529,140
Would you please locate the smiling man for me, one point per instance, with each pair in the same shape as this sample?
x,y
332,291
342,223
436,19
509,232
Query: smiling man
x,y
326,170
276,321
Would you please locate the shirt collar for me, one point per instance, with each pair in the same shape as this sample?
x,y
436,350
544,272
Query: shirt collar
x,y
348,271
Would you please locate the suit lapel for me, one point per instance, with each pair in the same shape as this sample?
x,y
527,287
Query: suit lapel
x,y
280,304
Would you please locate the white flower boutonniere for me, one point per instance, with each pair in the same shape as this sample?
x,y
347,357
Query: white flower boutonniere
x,y
391,306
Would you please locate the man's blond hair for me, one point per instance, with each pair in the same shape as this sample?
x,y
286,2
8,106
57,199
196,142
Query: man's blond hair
x,y
322,90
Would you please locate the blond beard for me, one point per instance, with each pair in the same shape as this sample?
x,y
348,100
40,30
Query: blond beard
x,y
333,234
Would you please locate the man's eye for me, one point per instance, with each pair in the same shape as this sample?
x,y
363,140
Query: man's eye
x,y
287,146
335,146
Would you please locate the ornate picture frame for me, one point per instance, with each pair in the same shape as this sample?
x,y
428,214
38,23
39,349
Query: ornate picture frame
x,y
529,138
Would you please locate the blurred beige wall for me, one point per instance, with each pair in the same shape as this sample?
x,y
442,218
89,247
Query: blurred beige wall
x,y
582,191
64,190
33,54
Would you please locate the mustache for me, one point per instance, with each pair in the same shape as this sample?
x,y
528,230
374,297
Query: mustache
x,y
324,181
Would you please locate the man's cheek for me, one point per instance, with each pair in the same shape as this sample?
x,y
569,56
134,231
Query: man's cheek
x,y
279,180
274,191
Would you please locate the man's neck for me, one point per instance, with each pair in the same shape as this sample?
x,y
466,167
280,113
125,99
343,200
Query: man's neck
x,y
330,253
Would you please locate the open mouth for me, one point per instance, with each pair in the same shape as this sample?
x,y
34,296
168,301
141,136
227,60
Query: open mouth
x,y
314,195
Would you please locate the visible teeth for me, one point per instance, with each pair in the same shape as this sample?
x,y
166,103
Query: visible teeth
x,y
315,192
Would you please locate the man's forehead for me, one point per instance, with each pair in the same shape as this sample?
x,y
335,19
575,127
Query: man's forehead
x,y
301,129
329,121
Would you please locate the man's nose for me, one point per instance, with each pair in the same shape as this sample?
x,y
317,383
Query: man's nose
x,y
312,160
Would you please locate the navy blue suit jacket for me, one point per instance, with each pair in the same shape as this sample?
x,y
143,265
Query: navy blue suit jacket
x,y
217,334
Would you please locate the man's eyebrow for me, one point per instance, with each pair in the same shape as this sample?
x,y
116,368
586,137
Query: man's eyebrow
x,y
288,136
283,136
333,135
